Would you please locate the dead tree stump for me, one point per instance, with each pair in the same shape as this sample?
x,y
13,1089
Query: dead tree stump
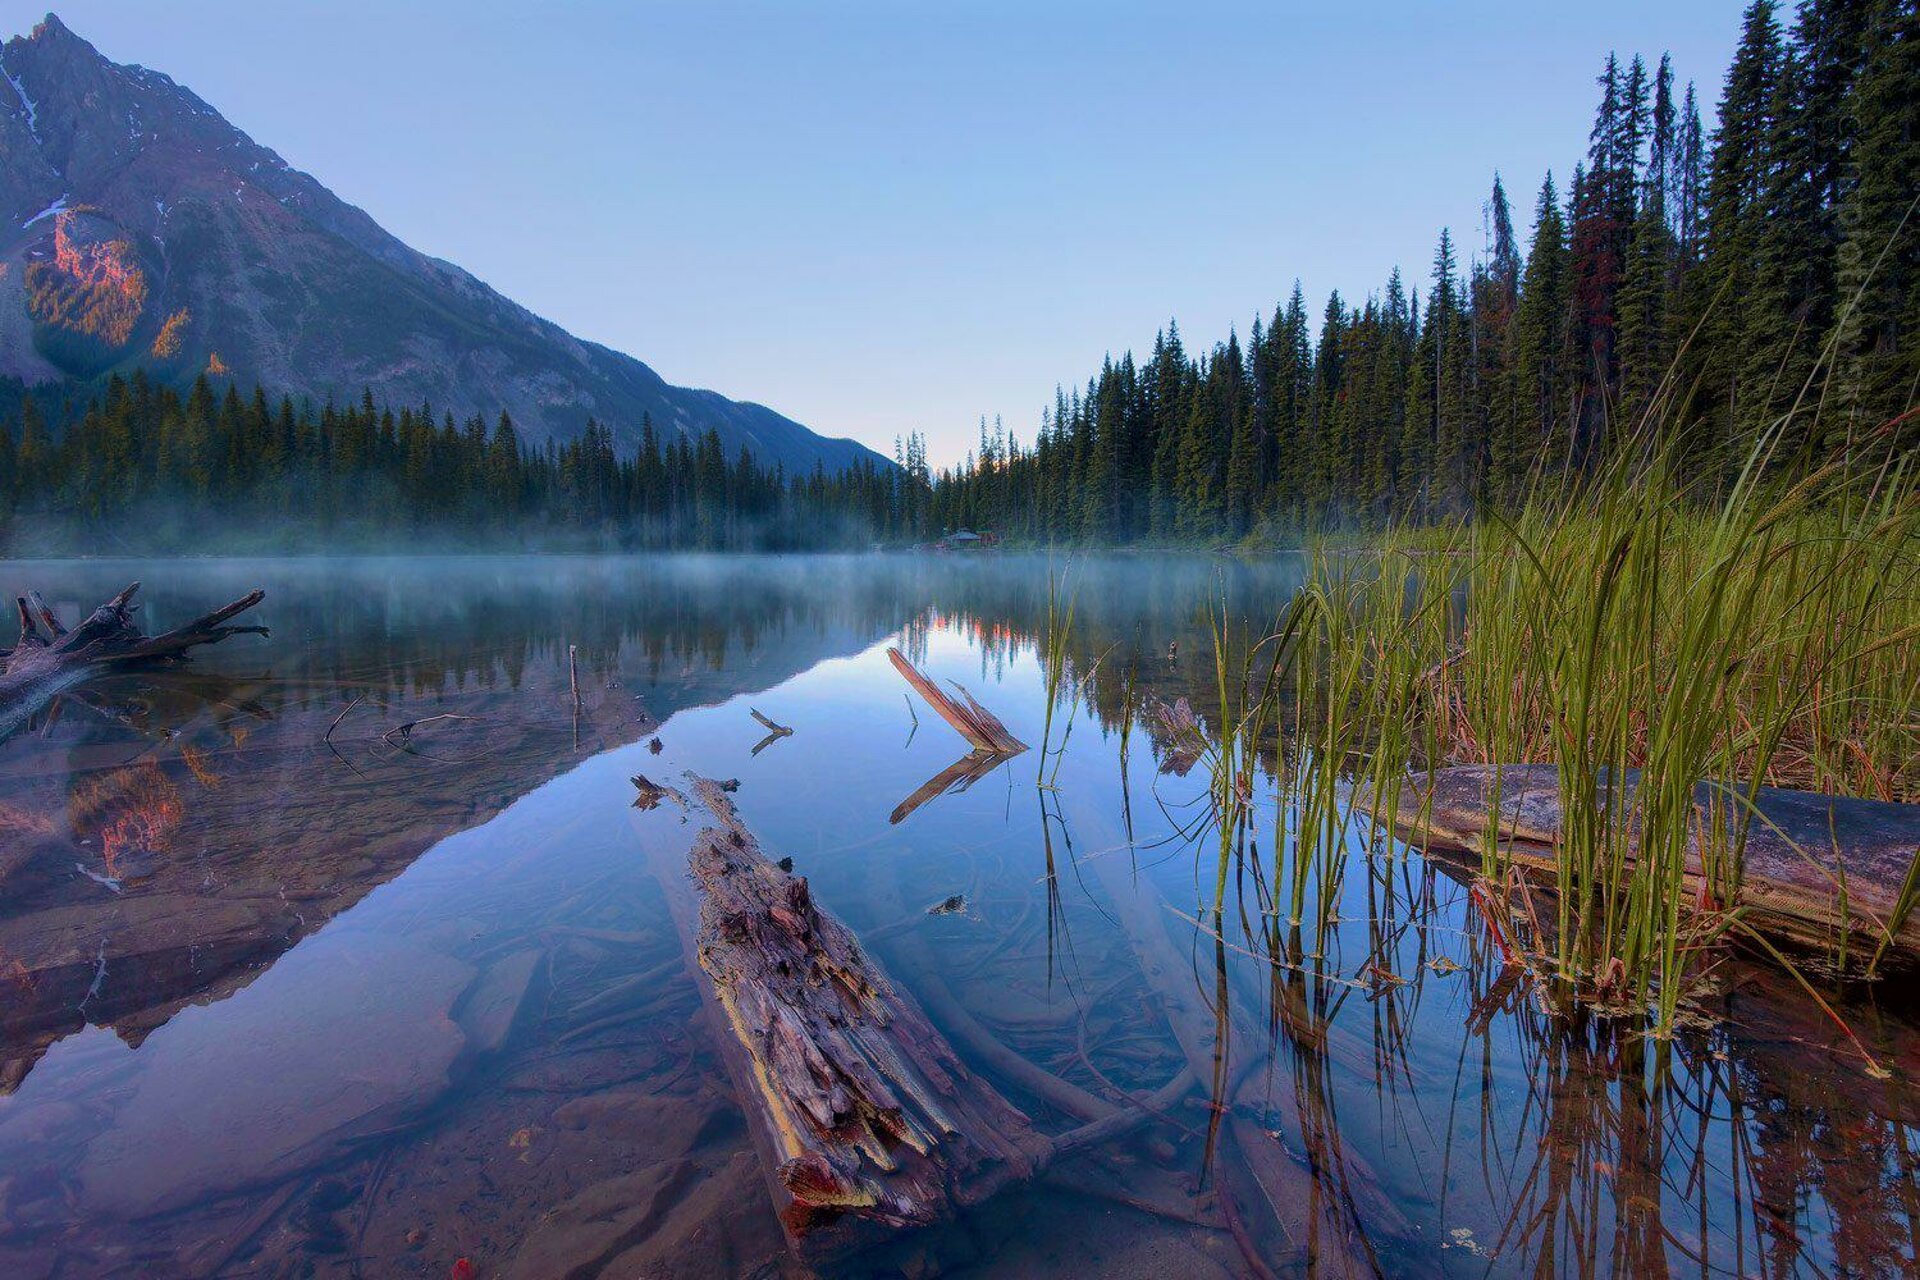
x,y
49,658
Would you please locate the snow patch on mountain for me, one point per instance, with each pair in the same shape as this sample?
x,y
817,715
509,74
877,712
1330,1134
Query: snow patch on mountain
x,y
57,207
33,111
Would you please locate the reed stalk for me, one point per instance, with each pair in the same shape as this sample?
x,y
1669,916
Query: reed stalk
x,y
1669,650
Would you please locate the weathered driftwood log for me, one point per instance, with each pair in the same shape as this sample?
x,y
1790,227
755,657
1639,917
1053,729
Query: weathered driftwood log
x,y
49,657
1800,849
974,722
865,1118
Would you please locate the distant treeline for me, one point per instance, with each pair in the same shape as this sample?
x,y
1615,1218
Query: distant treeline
x,y
1697,287
1706,286
146,467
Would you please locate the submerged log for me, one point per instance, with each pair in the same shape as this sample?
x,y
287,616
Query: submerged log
x,y
865,1118
974,722
1309,1192
1801,849
49,658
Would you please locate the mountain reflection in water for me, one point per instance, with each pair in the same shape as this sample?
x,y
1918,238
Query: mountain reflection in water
x,y
337,954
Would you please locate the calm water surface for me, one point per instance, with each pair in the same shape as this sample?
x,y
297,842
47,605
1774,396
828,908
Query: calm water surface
x,y
346,953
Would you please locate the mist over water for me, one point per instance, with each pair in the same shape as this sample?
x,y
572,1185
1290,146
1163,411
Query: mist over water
x,y
345,952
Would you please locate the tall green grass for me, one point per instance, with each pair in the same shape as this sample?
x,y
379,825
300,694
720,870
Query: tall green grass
x,y
1636,623
1714,643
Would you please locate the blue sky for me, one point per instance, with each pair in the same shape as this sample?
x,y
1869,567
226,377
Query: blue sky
x,y
883,216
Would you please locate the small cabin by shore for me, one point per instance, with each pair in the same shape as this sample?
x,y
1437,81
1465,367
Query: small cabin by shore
x,y
966,540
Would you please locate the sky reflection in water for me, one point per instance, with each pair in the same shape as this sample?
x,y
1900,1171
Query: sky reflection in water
x,y
384,997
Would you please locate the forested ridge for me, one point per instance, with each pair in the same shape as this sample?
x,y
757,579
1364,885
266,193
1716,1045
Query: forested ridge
x,y
147,467
1701,286
1696,286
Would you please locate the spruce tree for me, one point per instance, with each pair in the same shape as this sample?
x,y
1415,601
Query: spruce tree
x,y
1504,253
1293,377
1324,450
1784,308
1662,141
1686,218
1389,480
1243,451
1603,215
1832,40
1645,321
1689,184
1734,212
1104,493
1170,379
1445,360
1634,123
1536,378
1878,339
1199,492
1496,298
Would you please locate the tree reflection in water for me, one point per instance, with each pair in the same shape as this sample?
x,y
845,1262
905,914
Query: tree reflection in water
x,y
1359,1087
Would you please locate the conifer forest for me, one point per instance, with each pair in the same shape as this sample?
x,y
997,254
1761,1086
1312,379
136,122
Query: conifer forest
x,y
1691,285
1417,780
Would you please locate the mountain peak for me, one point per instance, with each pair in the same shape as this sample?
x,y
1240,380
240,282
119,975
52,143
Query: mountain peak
x,y
51,31
53,46
140,229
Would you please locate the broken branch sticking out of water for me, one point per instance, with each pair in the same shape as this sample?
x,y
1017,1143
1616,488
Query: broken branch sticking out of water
x,y
649,794
775,732
973,722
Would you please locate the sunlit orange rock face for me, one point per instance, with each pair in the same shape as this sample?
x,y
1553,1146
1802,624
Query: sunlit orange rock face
x,y
92,286
167,344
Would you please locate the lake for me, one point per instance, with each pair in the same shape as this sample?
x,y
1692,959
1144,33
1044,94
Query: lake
x,y
346,952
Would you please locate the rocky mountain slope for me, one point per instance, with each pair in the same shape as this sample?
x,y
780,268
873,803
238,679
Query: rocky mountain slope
x,y
139,228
